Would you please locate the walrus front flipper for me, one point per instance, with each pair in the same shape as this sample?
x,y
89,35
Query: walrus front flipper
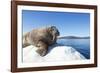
x,y
42,48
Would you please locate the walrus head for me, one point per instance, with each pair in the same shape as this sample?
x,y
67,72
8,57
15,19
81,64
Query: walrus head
x,y
54,32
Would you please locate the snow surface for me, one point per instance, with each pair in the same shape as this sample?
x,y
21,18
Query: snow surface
x,y
55,53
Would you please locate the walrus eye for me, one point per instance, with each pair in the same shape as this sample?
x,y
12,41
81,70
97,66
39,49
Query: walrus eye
x,y
53,28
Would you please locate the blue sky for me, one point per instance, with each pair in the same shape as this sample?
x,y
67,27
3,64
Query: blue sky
x,y
68,23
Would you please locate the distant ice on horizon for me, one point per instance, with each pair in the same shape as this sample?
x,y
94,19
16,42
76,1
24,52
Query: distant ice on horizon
x,y
56,53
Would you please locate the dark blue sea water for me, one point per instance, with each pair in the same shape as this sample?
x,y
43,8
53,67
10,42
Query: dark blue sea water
x,y
81,45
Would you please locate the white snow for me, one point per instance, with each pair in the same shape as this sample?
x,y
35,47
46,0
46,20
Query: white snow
x,y
56,53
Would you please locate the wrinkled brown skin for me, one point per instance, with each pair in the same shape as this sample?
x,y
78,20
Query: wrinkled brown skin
x,y
41,38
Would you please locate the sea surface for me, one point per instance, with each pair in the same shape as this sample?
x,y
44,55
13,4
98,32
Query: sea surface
x,y
81,45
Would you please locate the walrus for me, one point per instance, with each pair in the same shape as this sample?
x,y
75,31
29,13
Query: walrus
x,y
41,38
